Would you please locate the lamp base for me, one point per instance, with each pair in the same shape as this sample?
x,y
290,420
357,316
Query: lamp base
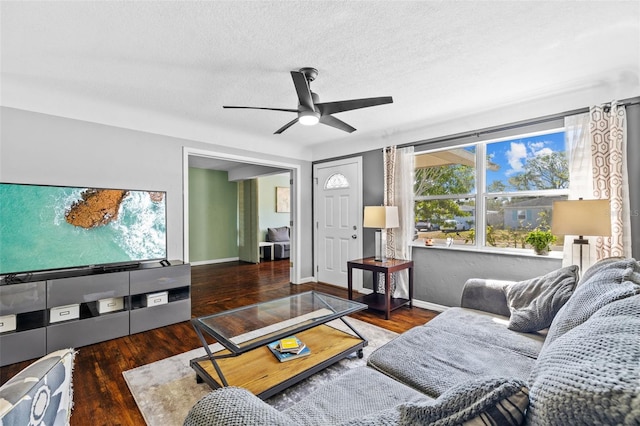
x,y
582,243
378,256
380,246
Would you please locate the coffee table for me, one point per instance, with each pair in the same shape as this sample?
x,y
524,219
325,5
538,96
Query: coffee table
x,y
245,332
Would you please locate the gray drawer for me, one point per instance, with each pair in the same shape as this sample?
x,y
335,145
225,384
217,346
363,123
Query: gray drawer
x,y
84,332
158,279
158,316
67,291
16,347
24,297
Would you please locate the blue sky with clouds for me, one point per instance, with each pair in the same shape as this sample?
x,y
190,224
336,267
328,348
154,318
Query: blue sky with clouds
x,y
511,155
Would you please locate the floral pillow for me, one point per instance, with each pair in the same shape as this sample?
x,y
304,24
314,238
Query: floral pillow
x,y
41,393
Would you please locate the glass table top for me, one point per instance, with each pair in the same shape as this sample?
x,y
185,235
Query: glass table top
x,y
245,328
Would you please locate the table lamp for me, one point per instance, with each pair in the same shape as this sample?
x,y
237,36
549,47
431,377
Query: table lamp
x,y
582,217
382,218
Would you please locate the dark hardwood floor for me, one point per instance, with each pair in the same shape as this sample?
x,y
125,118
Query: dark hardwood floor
x,y
100,393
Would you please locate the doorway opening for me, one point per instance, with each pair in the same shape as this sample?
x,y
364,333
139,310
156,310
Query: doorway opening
x,y
248,167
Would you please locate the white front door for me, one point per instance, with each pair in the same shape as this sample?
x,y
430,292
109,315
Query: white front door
x,y
338,220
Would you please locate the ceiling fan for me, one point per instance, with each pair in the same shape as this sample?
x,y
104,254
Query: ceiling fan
x,y
311,112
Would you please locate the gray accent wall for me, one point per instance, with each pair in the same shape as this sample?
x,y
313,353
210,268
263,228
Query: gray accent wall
x,y
43,149
440,273
633,164
372,194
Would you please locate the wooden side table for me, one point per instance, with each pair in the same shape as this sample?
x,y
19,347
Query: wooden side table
x,y
381,302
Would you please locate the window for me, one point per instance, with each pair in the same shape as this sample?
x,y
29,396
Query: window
x,y
336,181
491,193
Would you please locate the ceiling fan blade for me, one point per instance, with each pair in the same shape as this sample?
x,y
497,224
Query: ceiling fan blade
x,y
286,126
269,109
303,91
327,108
338,124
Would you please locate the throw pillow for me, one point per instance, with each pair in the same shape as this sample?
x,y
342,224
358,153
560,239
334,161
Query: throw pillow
x,y
495,401
41,393
234,406
591,374
534,303
278,234
605,282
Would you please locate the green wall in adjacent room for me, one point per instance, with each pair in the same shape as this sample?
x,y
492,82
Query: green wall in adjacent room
x,y
213,217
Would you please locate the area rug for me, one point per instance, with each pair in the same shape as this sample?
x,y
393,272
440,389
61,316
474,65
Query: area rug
x,y
165,390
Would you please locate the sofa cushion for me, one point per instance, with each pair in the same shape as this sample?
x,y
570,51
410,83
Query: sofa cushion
x,y
591,373
535,302
278,234
454,348
281,250
485,327
490,401
233,406
605,282
41,393
351,397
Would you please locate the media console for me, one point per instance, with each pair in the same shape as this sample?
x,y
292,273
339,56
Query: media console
x,y
42,313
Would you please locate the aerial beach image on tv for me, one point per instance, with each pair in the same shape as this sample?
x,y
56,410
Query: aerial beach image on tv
x,y
53,227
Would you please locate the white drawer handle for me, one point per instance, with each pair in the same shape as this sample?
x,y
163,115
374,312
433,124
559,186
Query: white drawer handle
x,y
111,304
63,313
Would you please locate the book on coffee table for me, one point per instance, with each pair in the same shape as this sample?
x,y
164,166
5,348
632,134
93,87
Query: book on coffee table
x,y
290,344
286,354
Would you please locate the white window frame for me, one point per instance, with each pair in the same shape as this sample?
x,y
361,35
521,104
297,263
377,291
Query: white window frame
x,y
481,194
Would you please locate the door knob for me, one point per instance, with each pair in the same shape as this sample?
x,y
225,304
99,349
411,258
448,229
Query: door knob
x,y
354,236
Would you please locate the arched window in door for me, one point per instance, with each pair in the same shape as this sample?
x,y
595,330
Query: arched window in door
x,y
336,181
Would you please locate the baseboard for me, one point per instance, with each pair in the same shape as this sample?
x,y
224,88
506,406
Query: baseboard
x,y
417,303
430,306
306,280
209,262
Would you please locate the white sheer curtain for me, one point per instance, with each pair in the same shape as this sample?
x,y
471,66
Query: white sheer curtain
x,y
596,142
578,144
399,178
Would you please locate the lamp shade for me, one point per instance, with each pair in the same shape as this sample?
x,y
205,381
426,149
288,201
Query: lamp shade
x,y
582,217
381,217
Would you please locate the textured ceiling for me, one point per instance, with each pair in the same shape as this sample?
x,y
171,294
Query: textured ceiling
x,y
168,67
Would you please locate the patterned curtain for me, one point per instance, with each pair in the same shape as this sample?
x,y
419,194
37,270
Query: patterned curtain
x,y
389,193
608,132
398,191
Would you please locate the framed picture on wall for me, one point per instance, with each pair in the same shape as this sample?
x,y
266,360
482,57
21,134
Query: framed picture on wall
x,y
283,204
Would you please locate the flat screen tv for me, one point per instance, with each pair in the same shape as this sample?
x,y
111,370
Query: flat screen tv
x,y
45,227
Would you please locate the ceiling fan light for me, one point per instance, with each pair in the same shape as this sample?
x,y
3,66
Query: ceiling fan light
x,y
308,118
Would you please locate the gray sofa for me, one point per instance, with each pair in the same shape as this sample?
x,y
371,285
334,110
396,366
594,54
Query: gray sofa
x,y
546,351
281,239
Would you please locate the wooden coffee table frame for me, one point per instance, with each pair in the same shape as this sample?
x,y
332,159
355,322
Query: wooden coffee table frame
x,y
258,370
264,376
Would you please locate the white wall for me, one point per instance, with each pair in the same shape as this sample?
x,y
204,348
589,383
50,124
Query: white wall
x,y
42,149
267,215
